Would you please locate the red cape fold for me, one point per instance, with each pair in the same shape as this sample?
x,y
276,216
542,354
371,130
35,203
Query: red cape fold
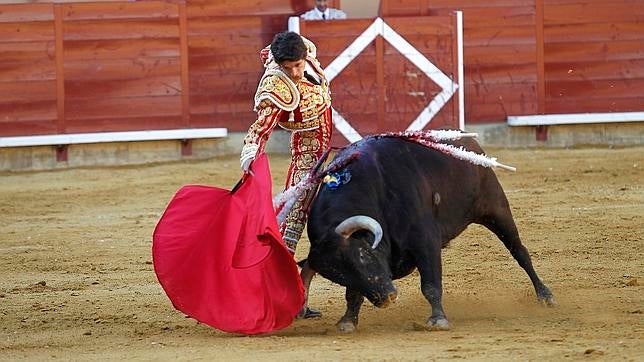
x,y
220,258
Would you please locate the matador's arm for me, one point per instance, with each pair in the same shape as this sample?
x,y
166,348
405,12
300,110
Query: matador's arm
x,y
276,94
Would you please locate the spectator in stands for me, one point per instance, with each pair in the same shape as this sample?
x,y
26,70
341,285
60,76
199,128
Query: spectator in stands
x,y
322,11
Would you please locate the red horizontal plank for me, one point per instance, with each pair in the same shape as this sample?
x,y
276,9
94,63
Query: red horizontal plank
x,y
317,30
466,4
505,16
221,103
403,8
215,44
224,84
426,44
500,36
198,8
597,70
226,62
41,110
335,42
560,2
237,122
497,55
596,89
435,26
479,94
110,124
121,29
593,32
27,128
120,10
496,112
27,91
27,71
31,31
143,87
123,107
27,51
428,25
594,51
583,105
19,13
119,49
206,79
227,26
593,12
491,74
113,69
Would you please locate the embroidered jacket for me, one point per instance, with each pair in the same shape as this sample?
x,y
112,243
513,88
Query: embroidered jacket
x,y
279,101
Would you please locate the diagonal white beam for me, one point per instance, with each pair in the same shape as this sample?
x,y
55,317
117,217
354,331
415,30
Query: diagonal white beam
x,y
428,113
344,127
416,57
353,50
379,27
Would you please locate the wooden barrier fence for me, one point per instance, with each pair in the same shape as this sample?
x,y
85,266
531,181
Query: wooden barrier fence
x,y
525,57
68,67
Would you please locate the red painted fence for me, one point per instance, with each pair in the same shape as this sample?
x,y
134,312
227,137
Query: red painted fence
x,y
108,66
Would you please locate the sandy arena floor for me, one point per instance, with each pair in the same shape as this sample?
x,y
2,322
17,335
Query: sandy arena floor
x,y
77,280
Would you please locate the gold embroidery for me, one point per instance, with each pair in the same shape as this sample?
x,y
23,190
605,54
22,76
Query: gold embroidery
x,y
278,88
260,129
314,102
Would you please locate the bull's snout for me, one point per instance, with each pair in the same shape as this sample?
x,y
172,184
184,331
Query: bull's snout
x,y
391,298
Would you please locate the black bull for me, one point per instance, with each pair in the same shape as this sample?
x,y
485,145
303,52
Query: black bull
x,y
416,200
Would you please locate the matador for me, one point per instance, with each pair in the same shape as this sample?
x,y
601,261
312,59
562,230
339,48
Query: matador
x,y
293,94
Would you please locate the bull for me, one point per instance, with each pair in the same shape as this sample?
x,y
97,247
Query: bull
x,y
392,209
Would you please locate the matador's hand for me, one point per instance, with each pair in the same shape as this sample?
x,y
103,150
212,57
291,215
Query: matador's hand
x,y
248,154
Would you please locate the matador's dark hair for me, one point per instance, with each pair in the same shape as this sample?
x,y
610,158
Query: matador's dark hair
x,y
288,46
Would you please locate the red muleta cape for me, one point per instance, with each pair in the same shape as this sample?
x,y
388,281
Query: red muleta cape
x,y
220,258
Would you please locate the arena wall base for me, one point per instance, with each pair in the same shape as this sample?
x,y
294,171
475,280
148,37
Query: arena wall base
x,y
127,153
136,153
560,136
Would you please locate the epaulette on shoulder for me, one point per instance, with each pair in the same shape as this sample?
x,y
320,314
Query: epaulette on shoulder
x,y
278,88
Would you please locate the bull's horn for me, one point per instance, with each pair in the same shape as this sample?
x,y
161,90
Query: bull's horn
x,y
360,222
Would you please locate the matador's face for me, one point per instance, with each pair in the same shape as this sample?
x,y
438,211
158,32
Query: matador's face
x,y
294,69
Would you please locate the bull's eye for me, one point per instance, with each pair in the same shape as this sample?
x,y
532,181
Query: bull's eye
x,y
361,256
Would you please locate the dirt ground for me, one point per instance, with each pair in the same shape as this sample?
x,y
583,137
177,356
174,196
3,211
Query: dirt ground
x,y
77,280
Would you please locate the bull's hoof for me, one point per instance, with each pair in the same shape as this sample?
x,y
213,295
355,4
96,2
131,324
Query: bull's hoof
x,y
346,327
545,297
307,313
548,301
437,324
